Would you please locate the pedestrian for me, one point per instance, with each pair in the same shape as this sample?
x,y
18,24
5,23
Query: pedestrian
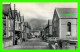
x,y
56,45
23,39
60,44
16,38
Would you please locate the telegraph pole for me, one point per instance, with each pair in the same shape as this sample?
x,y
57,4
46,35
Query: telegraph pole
x,y
48,27
14,27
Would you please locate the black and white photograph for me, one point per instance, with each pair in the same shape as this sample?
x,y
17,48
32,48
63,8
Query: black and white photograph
x,y
43,26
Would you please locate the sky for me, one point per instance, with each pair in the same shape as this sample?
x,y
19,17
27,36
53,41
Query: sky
x,y
40,10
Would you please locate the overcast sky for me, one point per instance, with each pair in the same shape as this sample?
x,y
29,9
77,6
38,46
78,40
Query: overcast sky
x,y
40,10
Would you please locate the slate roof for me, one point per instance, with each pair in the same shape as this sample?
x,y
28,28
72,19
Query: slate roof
x,y
16,14
63,12
13,12
6,8
27,25
48,24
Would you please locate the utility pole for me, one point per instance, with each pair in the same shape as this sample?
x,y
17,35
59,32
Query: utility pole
x,y
48,27
14,27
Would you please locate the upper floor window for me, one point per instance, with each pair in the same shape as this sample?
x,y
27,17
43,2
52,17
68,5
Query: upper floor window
x,y
9,23
69,28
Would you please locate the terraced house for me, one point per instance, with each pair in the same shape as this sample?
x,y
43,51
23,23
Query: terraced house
x,y
18,26
7,25
27,31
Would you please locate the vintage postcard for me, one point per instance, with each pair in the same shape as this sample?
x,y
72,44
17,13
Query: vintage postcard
x,y
40,26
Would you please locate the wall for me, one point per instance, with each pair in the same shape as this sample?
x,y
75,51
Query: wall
x,y
63,27
50,29
7,40
55,25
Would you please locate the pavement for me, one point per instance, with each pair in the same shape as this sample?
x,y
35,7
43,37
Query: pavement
x,y
34,43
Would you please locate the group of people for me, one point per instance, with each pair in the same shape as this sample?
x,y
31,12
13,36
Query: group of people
x,y
55,44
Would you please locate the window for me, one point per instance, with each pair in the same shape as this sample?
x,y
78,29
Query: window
x,y
15,25
69,28
9,23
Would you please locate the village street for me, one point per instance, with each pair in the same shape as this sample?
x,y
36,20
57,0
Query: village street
x,y
34,43
39,26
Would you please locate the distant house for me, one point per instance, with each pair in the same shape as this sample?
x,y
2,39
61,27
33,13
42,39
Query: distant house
x,y
48,28
7,25
46,33
22,25
27,31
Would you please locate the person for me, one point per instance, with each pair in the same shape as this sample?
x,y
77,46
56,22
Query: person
x,y
60,44
16,38
56,43
23,39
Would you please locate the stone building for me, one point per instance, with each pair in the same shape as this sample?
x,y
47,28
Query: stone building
x,y
46,33
48,28
22,26
65,24
27,31
18,26
7,25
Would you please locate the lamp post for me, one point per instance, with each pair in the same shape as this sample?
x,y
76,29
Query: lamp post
x,y
14,27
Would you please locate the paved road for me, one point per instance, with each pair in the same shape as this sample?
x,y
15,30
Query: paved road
x,y
34,43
